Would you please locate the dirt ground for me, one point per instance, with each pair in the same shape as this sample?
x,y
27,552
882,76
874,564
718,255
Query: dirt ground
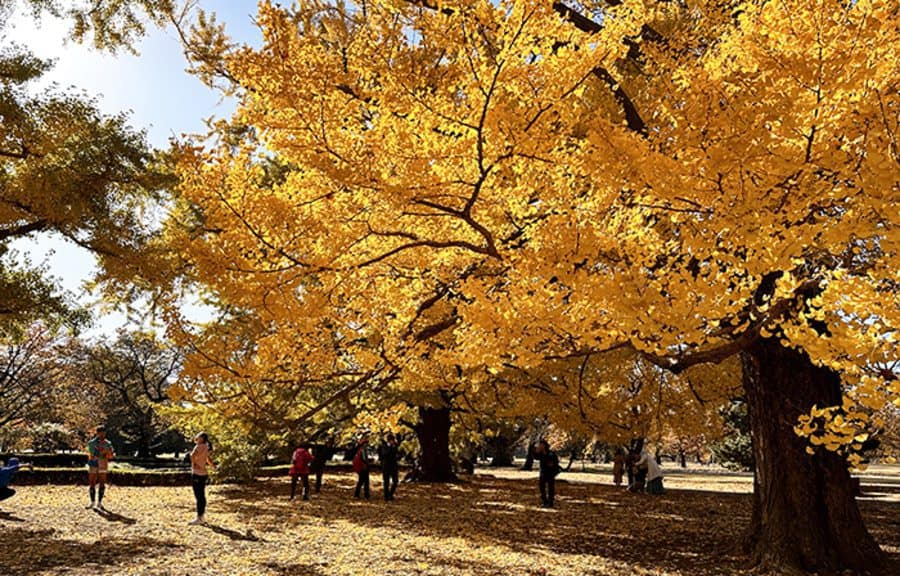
x,y
489,524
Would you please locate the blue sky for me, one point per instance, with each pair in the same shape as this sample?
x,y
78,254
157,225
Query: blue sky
x,y
151,87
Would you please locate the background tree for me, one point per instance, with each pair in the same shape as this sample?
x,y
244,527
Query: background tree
x,y
735,449
502,441
30,375
45,401
888,438
67,170
134,373
109,25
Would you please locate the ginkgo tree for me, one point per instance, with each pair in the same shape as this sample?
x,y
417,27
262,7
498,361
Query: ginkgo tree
x,y
485,186
66,169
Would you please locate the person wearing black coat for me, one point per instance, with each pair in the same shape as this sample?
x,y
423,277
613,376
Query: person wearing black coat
x,y
390,470
321,455
549,470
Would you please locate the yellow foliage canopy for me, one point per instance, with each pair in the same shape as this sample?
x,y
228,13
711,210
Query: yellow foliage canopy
x,y
492,186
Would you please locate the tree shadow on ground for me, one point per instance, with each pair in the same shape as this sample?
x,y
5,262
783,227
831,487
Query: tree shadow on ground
x,y
249,536
23,550
684,531
883,521
294,569
7,517
114,517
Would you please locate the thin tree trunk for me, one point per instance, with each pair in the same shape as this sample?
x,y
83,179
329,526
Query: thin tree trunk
x,y
145,440
144,450
529,457
805,515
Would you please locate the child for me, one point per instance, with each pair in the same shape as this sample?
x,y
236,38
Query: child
x,y
100,452
300,468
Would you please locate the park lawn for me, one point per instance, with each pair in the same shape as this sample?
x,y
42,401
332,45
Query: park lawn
x,y
483,526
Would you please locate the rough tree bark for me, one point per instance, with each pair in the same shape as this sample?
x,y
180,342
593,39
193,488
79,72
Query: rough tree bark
x,y
805,515
146,434
433,432
503,451
144,449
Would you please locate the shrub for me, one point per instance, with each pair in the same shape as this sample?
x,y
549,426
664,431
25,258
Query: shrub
x,y
237,452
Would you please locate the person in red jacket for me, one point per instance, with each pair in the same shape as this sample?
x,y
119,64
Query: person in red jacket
x,y
300,469
361,467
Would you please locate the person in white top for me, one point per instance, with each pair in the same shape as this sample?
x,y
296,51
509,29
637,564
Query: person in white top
x,y
654,474
200,461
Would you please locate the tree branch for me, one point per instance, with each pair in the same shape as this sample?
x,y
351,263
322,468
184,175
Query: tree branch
x,y
24,229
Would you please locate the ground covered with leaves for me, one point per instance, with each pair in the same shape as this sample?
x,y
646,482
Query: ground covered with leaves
x,y
486,525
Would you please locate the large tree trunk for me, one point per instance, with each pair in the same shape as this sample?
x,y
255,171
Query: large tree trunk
x,y
433,432
145,440
144,450
503,451
805,515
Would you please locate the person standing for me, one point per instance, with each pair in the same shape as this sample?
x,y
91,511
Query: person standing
x,y
618,466
100,452
300,469
549,469
361,467
321,455
630,458
201,460
390,470
654,473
